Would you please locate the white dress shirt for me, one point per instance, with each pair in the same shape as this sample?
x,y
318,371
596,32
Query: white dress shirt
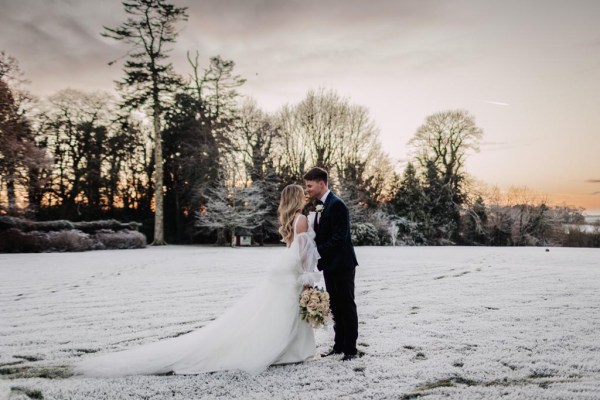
x,y
325,196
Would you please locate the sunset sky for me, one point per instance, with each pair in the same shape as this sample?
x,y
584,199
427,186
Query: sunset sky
x,y
528,70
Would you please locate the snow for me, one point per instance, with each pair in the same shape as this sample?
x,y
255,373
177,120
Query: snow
x,y
469,323
592,215
585,228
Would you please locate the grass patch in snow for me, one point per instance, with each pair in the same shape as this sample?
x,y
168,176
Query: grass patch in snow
x,y
55,372
23,391
8,364
29,358
86,351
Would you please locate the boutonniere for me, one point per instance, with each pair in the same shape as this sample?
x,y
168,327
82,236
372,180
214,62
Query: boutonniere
x,y
319,208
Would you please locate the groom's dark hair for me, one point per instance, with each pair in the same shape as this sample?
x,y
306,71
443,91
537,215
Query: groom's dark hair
x,y
316,174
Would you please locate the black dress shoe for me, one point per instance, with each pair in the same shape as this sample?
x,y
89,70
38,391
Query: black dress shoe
x,y
332,352
348,357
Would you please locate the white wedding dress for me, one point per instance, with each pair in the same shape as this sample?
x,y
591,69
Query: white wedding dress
x,y
263,328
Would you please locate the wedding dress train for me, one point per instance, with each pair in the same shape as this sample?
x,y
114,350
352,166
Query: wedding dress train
x,y
263,328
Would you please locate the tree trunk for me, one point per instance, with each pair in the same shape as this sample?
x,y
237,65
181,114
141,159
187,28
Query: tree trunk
x,y
221,240
159,234
10,193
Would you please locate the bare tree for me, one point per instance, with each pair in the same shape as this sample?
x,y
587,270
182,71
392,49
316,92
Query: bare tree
x,y
292,148
325,130
323,117
75,129
149,79
445,139
520,217
256,134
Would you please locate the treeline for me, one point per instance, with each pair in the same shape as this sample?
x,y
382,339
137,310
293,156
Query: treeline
x,y
196,162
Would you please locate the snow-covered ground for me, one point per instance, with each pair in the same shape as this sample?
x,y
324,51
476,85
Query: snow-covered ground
x,y
468,323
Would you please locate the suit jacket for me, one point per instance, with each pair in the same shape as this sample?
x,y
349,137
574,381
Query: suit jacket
x,y
333,240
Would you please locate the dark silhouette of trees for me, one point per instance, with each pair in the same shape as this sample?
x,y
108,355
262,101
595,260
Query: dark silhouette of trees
x,y
87,156
21,157
149,78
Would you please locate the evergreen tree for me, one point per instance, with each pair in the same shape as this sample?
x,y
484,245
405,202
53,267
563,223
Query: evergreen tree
x,y
409,198
441,213
231,209
148,78
475,223
192,154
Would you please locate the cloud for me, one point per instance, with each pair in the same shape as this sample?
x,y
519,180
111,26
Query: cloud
x,y
496,146
496,103
593,181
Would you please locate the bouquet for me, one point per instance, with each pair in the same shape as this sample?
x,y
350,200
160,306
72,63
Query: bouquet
x,y
314,306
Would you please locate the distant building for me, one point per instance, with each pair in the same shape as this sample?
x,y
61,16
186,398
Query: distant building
x,y
242,238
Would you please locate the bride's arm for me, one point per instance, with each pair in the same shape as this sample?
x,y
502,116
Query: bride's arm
x,y
308,253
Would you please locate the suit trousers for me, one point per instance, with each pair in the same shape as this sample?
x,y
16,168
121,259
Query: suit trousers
x,y
340,286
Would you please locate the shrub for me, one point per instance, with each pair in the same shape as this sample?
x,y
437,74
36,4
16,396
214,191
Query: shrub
x,y
125,239
409,232
14,240
50,226
26,225
109,224
73,240
364,234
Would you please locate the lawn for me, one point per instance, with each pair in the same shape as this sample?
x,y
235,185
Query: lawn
x,y
468,323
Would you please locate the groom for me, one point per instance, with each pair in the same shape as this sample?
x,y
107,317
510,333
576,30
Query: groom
x,y
338,261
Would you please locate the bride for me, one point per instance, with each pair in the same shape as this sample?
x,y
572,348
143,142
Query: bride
x,y
263,328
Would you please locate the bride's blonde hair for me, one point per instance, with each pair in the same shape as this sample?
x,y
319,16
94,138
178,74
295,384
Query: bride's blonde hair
x,y
292,202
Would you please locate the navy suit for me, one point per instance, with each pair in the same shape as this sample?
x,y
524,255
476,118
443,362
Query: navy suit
x,y
338,263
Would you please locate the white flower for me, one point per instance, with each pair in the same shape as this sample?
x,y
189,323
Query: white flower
x,y
319,208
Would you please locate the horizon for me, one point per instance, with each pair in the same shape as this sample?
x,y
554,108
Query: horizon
x,y
529,73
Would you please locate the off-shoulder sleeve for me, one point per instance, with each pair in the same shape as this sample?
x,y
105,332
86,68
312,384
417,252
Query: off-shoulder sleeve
x,y
307,250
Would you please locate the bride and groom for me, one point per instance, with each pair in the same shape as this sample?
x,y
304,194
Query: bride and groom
x,y
264,327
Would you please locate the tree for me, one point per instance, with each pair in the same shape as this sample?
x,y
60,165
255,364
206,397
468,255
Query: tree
x,y
322,117
409,197
219,89
217,97
441,212
20,155
475,223
325,130
199,142
128,167
256,135
76,128
148,77
445,139
192,155
230,209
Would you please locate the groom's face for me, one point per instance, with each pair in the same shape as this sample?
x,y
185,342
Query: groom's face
x,y
315,189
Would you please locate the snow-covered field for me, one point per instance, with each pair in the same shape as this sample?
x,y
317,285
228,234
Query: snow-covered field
x,y
463,323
